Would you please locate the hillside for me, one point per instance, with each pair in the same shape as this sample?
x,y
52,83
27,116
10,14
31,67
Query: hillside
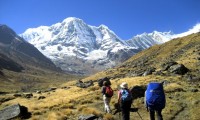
x,y
181,86
23,67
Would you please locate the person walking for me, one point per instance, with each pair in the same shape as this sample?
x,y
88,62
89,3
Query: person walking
x,y
125,100
107,95
155,100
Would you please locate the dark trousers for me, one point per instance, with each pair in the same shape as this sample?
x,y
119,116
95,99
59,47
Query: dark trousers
x,y
125,107
158,113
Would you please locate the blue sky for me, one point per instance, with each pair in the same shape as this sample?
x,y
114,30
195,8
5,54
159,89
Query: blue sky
x,y
126,18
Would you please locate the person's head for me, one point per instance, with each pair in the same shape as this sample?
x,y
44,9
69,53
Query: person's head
x,y
124,85
105,83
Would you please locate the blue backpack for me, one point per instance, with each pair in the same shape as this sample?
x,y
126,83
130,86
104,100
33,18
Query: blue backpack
x,y
125,95
155,96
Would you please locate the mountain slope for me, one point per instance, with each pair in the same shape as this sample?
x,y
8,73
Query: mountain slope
x,y
164,63
22,66
185,50
17,49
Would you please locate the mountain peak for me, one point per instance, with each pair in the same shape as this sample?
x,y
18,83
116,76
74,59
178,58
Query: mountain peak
x,y
102,26
72,19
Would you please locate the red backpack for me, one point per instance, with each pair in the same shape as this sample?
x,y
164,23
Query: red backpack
x,y
109,92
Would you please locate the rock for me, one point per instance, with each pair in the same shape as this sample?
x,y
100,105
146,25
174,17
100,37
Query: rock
x,y
41,97
192,78
28,95
149,71
87,117
81,85
178,69
65,87
38,92
89,83
194,90
138,91
17,95
52,88
84,85
14,111
167,65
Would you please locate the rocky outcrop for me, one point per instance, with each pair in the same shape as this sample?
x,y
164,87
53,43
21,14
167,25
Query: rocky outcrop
x,y
14,111
178,69
167,65
149,71
174,67
82,84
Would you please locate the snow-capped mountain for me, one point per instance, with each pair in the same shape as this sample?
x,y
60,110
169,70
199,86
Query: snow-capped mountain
x,y
84,49
146,40
77,47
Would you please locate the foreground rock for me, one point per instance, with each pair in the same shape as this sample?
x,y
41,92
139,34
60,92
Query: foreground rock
x,y
14,111
89,117
138,91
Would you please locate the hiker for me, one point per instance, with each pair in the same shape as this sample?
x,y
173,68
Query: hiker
x,y
107,94
125,100
155,100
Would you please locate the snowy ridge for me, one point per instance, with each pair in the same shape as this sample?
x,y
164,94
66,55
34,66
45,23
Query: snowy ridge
x,y
146,40
75,46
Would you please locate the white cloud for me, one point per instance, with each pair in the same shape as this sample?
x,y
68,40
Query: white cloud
x,y
195,29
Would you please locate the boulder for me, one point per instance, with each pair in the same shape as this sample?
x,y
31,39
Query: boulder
x,y
41,97
38,92
28,95
14,111
178,69
138,91
167,65
52,88
84,84
17,95
88,117
149,71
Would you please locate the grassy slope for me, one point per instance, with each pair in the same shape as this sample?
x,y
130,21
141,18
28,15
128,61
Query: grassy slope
x,y
32,78
182,103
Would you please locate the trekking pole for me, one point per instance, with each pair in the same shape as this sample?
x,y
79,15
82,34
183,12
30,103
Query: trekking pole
x,y
139,115
119,115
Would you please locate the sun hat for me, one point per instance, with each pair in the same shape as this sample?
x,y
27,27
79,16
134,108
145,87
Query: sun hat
x,y
124,85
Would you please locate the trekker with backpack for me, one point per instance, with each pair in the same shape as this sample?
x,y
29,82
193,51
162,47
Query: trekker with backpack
x,y
107,94
125,100
155,100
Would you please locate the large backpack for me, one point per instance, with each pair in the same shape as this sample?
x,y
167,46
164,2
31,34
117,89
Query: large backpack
x,y
155,96
125,95
109,92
